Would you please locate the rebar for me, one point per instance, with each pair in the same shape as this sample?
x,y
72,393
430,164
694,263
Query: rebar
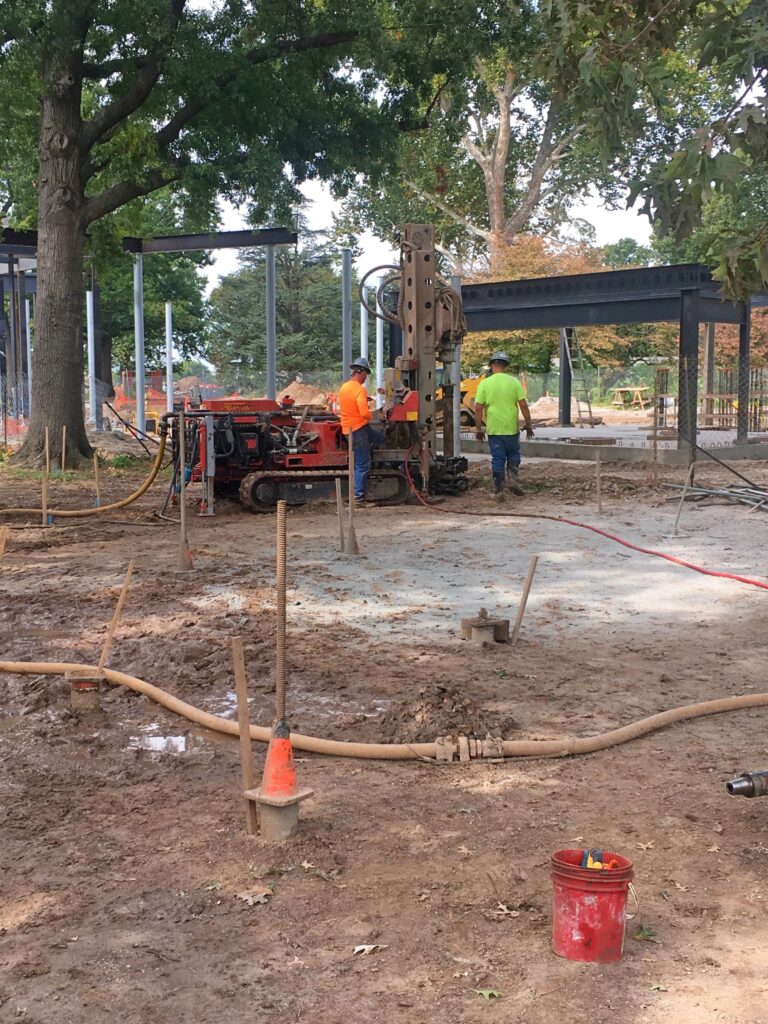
x,y
281,592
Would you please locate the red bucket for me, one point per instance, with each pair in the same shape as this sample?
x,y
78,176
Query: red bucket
x,y
589,907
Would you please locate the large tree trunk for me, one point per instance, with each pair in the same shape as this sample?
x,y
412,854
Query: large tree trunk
x,y
57,362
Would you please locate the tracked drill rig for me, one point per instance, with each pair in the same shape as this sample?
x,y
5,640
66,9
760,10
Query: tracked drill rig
x,y
265,451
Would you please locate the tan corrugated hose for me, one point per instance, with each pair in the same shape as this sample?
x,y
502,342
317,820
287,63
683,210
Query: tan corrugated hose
x,y
75,513
399,751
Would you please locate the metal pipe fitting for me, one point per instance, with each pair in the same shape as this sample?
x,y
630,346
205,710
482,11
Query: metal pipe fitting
x,y
749,784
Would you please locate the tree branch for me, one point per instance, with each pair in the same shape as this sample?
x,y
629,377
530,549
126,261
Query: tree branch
x,y
118,195
549,152
102,123
111,67
259,55
464,222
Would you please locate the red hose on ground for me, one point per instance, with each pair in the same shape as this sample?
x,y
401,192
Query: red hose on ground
x,y
595,529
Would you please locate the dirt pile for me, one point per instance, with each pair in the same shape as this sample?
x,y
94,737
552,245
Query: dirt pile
x,y
440,710
303,394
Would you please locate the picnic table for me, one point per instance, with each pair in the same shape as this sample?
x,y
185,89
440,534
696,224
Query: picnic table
x,y
632,398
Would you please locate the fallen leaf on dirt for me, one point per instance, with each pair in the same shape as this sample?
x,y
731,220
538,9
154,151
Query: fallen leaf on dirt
x,y
576,839
307,865
681,888
212,886
714,848
645,933
422,896
368,948
254,896
659,988
463,849
488,993
646,846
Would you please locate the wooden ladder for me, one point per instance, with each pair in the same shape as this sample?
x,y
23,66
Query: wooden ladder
x,y
579,385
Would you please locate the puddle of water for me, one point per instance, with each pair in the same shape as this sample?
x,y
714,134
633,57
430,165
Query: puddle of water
x,y
161,744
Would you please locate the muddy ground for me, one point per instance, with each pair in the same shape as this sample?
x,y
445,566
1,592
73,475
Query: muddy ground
x,y
123,851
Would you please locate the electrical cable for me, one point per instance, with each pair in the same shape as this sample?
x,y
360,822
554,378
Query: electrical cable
x,y
138,434
594,529
569,745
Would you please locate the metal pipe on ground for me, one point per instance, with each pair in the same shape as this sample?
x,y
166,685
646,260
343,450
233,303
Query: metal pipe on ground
x,y
280,677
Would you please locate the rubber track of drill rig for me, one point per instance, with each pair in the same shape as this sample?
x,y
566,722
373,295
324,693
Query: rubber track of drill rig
x,y
246,484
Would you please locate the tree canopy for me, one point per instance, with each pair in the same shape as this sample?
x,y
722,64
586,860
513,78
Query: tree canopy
x,y
245,100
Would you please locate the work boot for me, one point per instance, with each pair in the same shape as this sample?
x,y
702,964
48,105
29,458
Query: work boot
x,y
361,503
514,486
498,486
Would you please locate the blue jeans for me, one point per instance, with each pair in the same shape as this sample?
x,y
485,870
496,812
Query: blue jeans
x,y
364,440
505,451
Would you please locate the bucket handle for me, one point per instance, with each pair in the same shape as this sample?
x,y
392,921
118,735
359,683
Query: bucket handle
x,y
633,893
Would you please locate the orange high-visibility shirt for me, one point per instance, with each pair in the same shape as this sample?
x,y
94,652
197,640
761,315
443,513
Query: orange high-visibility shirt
x,y
353,406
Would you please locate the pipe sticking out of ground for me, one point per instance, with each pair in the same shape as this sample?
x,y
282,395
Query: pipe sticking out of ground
x,y
439,750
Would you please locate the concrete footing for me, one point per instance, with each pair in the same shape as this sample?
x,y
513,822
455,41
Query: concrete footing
x,y
278,816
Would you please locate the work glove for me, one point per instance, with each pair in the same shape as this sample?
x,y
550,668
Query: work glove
x,y
529,432
480,435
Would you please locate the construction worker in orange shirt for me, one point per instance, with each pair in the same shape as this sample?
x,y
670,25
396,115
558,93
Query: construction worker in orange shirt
x,y
355,415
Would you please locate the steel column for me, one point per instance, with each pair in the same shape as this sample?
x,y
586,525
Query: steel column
x,y
456,388
138,333
742,414
364,323
271,325
22,347
91,335
688,371
169,357
28,332
379,350
11,366
346,311
566,380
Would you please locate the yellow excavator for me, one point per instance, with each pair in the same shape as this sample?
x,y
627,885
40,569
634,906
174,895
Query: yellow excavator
x,y
469,386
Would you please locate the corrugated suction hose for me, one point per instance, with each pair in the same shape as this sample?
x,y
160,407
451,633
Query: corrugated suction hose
x,y
75,513
402,751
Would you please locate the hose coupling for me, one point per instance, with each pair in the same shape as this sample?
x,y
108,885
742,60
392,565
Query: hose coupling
x,y
749,784
467,748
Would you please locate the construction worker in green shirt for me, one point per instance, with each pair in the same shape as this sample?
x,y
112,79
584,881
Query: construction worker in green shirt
x,y
500,398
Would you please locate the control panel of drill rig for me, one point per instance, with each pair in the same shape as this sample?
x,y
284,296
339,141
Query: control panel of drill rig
x,y
265,451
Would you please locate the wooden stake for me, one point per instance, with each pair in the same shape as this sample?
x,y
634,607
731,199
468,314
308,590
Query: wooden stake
x,y
115,617
340,511
47,453
524,600
688,482
244,727
599,481
4,531
96,479
63,448
44,501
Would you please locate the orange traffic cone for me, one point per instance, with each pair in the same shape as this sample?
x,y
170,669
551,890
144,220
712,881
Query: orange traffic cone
x,y
279,795
279,778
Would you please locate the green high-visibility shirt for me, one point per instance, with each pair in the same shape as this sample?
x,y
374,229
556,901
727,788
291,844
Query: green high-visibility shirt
x,y
500,394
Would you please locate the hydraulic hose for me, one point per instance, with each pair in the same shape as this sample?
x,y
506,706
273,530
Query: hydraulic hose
x,y
70,513
399,751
